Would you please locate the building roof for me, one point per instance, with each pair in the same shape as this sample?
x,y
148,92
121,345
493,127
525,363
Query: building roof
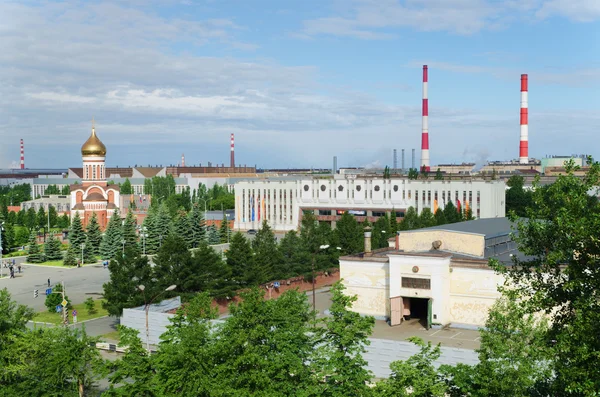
x,y
488,227
95,197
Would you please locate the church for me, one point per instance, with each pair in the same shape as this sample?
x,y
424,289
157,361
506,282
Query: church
x,y
94,195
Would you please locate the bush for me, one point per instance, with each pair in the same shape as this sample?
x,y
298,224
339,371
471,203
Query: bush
x,y
55,299
90,305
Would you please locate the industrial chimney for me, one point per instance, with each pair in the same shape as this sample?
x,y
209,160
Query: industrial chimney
x,y
182,160
232,160
524,143
425,130
22,155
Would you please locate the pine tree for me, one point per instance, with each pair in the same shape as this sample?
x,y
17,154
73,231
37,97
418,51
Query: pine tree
x,y
35,254
440,217
70,257
183,229
267,257
224,230
52,249
94,235
213,235
349,234
158,229
113,235
426,219
239,258
88,252
411,220
76,233
198,226
130,235
451,213
393,222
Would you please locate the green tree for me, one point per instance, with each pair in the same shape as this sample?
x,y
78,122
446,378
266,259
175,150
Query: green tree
x,y
411,220
295,258
126,187
349,234
52,250
212,235
224,230
129,234
111,244
158,228
266,256
517,198
239,259
415,377
440,217
42,219
21,218
212,273
71,256
342,340
66,190
198,226
424,173
126,274
52,215
76,233
90,306
64,221
88,252
174,266
94,235
34,255
31,219
561,274
51,189
439,176
426,218
183,229
413,173
55,298
380,233
451,213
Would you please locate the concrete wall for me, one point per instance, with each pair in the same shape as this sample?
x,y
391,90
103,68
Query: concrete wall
x,y
369,281
157,323
465,243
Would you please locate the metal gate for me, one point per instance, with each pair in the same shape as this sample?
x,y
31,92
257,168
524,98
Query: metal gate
x,y
397,307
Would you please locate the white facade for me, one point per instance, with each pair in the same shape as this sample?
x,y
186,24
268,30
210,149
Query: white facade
x,y
281,202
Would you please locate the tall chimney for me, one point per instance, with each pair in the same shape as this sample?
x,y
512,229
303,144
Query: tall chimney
x,y
367,240
182,160
524,144
397,242
413,159
232,153
425,131
334,170
402,160
22,155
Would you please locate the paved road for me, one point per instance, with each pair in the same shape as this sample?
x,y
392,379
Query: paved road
x,y
80,283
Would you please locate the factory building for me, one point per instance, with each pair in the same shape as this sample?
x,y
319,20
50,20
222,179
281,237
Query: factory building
x,y
282,201
436,276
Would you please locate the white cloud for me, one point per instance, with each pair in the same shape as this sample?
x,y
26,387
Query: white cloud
x,y
61,97
373,19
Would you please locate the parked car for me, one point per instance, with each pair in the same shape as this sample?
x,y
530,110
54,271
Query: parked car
x,y
251,231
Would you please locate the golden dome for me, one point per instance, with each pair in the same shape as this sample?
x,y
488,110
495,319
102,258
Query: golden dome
x,y
93,146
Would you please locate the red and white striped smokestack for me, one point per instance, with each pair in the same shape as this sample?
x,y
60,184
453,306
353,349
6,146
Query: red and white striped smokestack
x,y
425,131
182,160
524,144
22,155
232,153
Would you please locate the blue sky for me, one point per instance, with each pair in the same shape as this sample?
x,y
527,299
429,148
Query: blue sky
x,y
296,81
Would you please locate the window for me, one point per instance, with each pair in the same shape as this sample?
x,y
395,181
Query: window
x,y
324,212
400,214
417,283
378,213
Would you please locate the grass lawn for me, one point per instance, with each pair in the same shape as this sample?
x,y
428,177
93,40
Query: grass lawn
x,y
49,263
82,314
112,336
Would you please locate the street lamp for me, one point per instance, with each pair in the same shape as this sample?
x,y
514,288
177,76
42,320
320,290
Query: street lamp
x,y
228,229
147,309
143,235
321,248
203,200
124,241
160,241
1,230
82,247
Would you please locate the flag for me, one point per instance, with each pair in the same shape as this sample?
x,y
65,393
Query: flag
x,y
252,207
264,210
141,199
467,206
458,205
435,206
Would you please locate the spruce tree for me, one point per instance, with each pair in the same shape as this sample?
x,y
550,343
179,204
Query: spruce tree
x,y
111,242
213,235
451,213
35,254
197,226
183,229
224,230
70,257
130,235
427,219
158,229
440,217
52,249
76,233
88,252
239,258
94,235
349,234
267,256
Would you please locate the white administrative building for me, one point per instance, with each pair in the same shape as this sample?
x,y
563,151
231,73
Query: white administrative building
x,y
282,201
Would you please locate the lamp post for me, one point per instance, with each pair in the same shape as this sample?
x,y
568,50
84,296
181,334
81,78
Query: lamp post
x,y
204,201
1,230
143,235
82,247
228,228
147,309
123,247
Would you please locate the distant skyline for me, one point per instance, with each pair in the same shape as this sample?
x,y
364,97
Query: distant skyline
x,y
297,82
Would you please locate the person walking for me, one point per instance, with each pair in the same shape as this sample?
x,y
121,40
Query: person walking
x,y
19,267
48,283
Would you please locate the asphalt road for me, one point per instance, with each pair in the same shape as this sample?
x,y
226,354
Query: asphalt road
x,y
80,283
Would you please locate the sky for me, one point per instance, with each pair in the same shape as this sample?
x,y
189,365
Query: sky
x,y
297,82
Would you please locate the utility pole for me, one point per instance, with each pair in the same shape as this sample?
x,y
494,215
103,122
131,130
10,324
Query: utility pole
x,y
64,311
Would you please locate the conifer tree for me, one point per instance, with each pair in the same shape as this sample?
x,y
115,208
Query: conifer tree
x,y
267,257
239,258
52,249
88,252
94,235
76,233
113,235
411,220
349,234
35,254
197,226
213,235
70,257
130,235
440,217
158,229
451,213
224,230
426,219
183,229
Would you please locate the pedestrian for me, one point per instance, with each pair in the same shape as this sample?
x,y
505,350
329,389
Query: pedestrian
x,y
14,262
48,283
19,268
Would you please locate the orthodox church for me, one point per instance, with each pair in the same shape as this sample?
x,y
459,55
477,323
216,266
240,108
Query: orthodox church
x,y
94,195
